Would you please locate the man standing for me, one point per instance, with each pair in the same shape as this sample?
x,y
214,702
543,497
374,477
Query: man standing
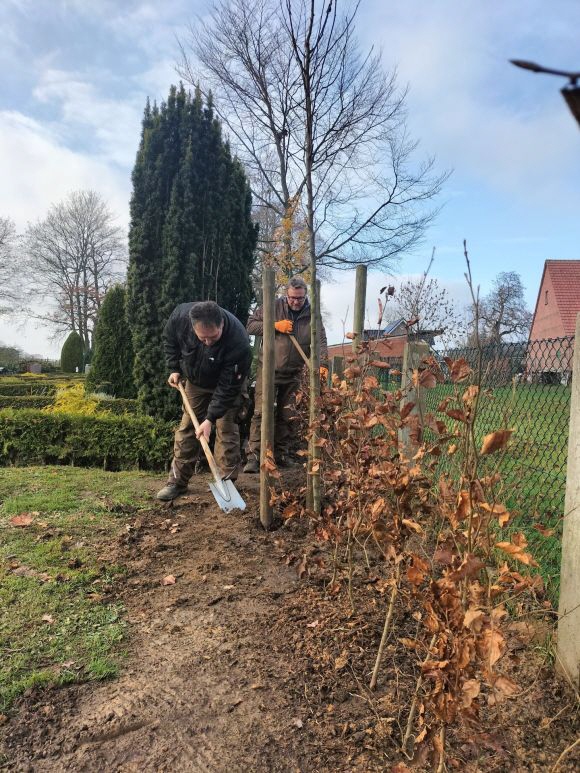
x,y
210,347
292,315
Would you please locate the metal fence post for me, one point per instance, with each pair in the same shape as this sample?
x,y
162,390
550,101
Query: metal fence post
x,y
413,354
569,608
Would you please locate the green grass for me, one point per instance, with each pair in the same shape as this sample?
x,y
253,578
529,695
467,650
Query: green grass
x,y
533,468
57,625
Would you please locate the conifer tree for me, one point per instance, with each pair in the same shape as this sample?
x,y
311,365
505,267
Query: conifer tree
x,y
191,235
71,354
112,362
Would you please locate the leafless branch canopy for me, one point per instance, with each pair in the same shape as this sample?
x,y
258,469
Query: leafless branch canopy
x,y
282,70
9,282
73,257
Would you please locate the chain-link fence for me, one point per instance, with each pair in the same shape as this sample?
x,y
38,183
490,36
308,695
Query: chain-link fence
x,y
525,387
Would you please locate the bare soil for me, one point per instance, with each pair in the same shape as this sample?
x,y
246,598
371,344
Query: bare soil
x,y
244,664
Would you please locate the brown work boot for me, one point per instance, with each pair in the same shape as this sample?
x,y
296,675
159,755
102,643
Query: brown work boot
x,y
252,465
171,491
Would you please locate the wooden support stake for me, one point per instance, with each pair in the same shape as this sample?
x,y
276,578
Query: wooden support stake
x,y
268,365
360,299
413,355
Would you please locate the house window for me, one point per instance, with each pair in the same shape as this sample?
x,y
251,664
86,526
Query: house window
x,y
546,298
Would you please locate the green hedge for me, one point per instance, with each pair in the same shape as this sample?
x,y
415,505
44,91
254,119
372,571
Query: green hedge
x,y
111,442
118,405
28,388
25,401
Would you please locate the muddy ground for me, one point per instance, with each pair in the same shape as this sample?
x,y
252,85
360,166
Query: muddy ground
x,y
243,664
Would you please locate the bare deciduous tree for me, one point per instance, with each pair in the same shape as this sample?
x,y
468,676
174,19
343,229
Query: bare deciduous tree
x,y
9,285
424,299
320,122
74,255
503,313
371,202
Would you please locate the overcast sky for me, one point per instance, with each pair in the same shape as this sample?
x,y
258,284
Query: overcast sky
x,y
76,74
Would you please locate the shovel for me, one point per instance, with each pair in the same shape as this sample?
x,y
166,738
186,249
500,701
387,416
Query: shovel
x,y
226,494
300,350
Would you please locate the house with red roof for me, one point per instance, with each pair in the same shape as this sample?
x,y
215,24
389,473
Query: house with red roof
x,y
554,320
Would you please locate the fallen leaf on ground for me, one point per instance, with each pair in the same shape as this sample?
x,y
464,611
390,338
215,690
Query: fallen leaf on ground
x,y
313,624
298,723
169,580
24,519
47,619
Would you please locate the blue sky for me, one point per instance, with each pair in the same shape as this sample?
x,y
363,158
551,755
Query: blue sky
x,y
76,74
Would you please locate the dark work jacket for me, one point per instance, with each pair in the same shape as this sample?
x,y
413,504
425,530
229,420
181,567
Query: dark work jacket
x,y
289,363
221,367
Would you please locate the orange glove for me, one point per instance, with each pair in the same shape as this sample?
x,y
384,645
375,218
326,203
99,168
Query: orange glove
x,y
324,373
284,326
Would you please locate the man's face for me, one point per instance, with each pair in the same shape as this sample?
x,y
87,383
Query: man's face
x,y
296,297
208,334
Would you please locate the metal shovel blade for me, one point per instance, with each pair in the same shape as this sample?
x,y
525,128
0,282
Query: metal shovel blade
x,y
227,496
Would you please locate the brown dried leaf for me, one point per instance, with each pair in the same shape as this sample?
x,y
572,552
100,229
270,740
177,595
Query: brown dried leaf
x,y
471,689
493,645
379,364
412,525
168,580
23,519
341,661
47,619
457,414
470,394
459,369
495,441
544,531
515,549
406,410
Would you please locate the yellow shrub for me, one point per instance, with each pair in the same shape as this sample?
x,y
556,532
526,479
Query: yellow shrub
x,y
71,398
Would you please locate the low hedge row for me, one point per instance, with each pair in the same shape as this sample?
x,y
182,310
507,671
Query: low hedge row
x,y
25,401
28,388
111,442
117,406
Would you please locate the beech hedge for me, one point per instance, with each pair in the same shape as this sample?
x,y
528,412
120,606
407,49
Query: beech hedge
x,y
110,442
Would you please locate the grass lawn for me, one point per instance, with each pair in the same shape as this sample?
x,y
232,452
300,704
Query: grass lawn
x,y
57,625
533,468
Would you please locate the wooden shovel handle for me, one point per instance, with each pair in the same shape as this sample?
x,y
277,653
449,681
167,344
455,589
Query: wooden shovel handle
x,y
204,444
300,349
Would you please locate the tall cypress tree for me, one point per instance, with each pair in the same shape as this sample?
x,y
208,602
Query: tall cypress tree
x,y
72,353
113,348
191,235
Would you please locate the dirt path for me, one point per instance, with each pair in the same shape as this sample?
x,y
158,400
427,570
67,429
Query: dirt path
x,y
203,690
240,666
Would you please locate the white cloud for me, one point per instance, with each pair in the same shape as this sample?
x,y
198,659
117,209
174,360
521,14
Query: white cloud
x,y
113,124
38,170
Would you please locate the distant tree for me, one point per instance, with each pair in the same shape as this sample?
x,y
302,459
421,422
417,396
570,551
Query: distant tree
x,y
191,235
71,354
112,361
424,299
73,255
10,357
9,275
503,314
